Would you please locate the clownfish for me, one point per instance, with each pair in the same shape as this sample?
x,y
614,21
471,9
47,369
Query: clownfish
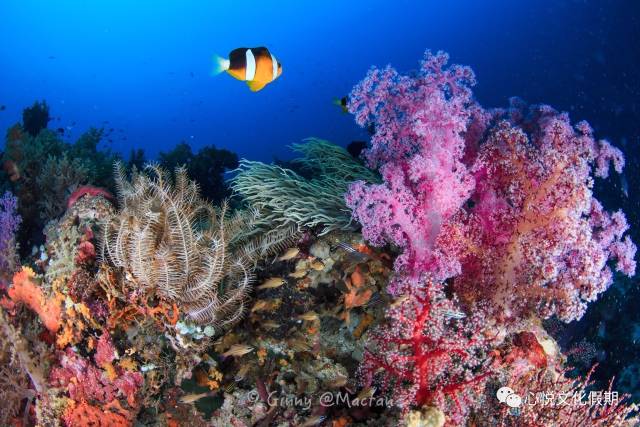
x,y
256,66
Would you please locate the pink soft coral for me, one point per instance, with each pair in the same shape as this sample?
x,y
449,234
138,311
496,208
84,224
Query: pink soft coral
x,y
499,202
418,146
545,240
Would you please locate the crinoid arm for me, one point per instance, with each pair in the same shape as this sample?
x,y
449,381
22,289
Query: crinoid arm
x,y
184,250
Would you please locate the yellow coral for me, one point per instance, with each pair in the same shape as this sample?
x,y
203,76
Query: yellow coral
x,y
128,364
428,416
262,355
215,377
110,371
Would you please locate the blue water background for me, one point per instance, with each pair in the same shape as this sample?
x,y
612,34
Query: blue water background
x,y
143,67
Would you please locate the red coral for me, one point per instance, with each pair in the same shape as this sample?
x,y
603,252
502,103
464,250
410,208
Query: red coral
x,y
90,191
105,351
568,404
85,382
527,347
86,253
425,357
82,414
86,250
521,354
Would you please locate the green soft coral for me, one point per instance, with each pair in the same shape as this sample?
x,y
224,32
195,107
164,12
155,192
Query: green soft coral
x,y
286,197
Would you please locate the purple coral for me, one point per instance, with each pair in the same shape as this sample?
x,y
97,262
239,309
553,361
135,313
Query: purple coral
x,y
9,223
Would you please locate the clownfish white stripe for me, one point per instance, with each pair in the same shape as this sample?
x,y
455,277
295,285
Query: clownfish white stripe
x,y
251,66
274,62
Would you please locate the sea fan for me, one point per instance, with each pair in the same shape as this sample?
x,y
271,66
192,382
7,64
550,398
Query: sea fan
x,y
175,244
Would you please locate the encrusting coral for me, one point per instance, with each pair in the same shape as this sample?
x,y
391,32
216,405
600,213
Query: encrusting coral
x,y
286,197
176,244
25,290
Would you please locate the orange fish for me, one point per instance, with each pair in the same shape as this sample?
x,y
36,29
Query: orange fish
x,y
254,65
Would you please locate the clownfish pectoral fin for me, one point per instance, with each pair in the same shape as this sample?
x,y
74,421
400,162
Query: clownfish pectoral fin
x,y
219,65
255,85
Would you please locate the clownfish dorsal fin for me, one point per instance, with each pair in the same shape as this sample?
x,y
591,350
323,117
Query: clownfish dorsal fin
x,y
255,85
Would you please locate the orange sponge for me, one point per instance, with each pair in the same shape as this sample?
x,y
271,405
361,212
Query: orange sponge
x,y
26,291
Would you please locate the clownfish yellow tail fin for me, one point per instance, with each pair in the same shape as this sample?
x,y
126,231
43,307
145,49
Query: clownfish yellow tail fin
x,y
220,65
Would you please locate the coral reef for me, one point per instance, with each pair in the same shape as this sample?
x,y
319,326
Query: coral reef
x,y
497,203
286,197
158,307
426,357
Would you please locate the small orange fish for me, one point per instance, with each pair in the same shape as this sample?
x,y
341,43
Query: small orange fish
x,y
254,65
291,253
274,282
298,274
310,316
238,350
270,324
194,397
